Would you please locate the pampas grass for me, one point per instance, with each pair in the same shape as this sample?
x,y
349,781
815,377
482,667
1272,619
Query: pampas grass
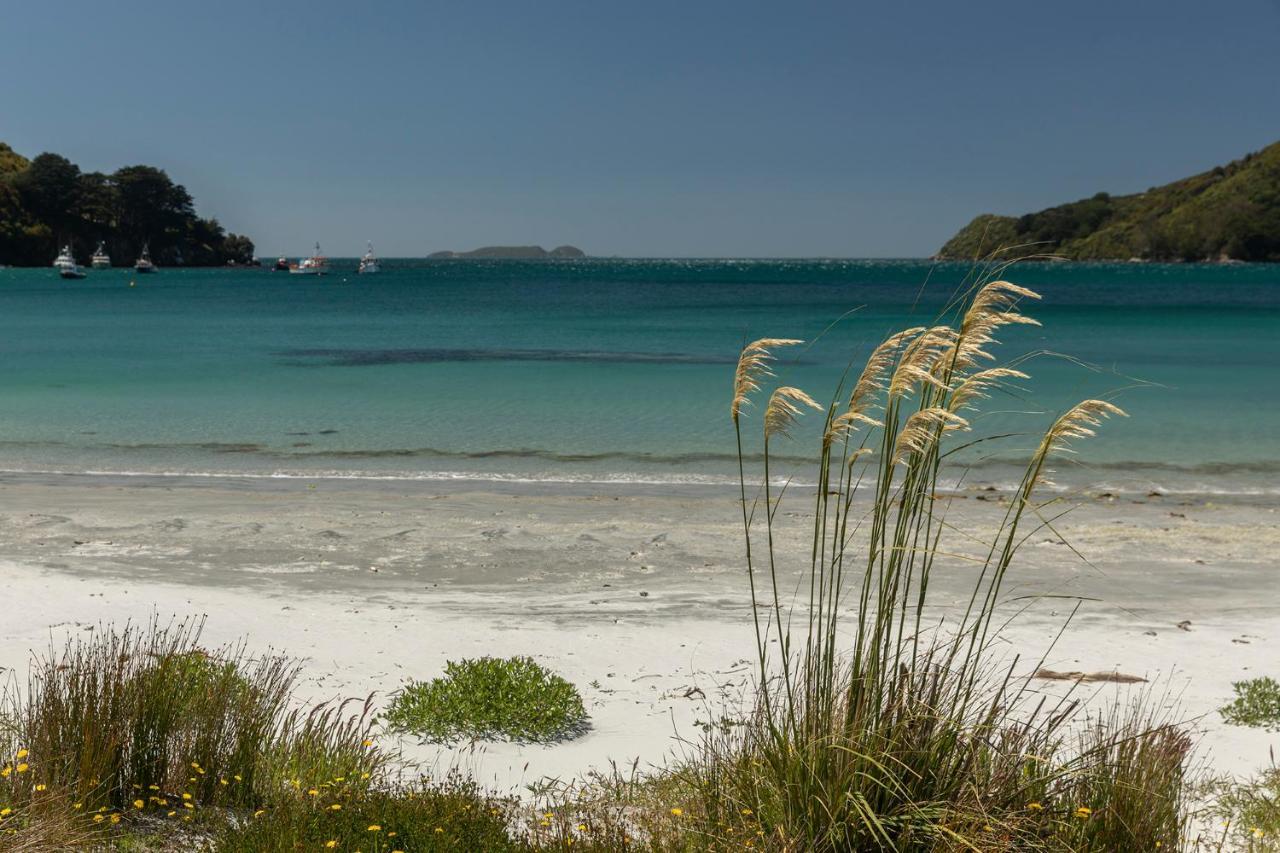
x,y
877,726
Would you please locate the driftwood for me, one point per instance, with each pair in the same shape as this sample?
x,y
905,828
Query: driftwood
x,y
1087,677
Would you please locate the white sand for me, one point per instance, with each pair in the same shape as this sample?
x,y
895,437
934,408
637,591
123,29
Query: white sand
x,y
291,567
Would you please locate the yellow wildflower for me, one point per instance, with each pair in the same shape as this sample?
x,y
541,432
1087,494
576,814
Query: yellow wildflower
x,y
373,827
677,811
78,806
98,818
137,804
153,787
22,753
1035,807
6,811
439,829
5,771
186,796
1083,812
748,812
188,806
1257,832
237,778
582,827
336,807
259,813
331,843
314,792
368,742
115,818
172,813
42,787
23,767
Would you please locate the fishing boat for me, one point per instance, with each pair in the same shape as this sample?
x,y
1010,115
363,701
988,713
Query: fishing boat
x,y
369,263
281,265
66,264
143,265
317,264
65,259
100,260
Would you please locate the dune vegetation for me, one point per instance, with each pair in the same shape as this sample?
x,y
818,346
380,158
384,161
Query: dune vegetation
x,y
880,720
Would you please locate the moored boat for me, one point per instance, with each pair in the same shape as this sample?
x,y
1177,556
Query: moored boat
x,y
281,265
317,264
100,260
144,265
369,263
65,259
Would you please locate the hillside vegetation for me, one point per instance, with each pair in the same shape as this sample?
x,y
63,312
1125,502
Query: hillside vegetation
x,y
47,202
1230,212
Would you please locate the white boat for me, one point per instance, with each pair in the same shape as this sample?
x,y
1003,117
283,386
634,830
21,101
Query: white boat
x,y
100,260
65,259
143,265
317,264
369,263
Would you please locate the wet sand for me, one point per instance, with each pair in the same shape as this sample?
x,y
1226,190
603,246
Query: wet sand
x,y
637,595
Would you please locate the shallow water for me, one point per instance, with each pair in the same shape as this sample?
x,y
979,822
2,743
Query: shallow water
x,y
606,370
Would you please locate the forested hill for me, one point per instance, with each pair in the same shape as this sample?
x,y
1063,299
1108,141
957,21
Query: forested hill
x,y
48,202
1231,212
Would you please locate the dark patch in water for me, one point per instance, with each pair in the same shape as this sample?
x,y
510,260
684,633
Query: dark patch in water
x,y
327,432
373,357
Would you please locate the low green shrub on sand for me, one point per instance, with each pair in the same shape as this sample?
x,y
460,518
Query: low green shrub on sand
x,y
1257,704
490,699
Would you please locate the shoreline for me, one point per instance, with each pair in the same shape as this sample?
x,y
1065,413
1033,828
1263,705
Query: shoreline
x,y
635,597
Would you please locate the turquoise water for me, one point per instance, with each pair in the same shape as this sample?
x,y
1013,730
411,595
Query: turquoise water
x,y
608,370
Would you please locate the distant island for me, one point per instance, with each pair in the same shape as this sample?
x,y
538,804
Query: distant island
x,y
1230,213
513,253
47,202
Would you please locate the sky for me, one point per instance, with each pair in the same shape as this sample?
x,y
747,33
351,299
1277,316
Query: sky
x,y
693,128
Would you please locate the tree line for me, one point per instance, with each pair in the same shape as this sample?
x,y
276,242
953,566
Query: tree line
x,y
48,202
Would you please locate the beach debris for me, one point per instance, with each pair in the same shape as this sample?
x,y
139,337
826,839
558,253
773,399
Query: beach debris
x,y
644,594
1239,641
1149,634
693,693
1113,677
1184,625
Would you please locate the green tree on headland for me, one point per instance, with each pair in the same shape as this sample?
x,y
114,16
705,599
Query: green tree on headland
x,y
48,202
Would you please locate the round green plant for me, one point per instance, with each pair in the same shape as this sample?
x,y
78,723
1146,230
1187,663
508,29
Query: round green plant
x,y
489,699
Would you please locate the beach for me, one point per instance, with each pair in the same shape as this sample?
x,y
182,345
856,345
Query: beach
x,y
636,594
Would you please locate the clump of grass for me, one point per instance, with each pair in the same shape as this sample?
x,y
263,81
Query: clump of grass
x,y
139,727
490,699
1248,812
878,725
1257,704
451,814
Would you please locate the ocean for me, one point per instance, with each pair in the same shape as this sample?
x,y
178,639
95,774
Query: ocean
x,y
610,371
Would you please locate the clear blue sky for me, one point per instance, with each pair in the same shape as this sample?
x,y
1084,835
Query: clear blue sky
x,y
698,127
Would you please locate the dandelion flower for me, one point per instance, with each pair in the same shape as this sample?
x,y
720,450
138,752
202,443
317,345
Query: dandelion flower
x,y
313,792
368,742
374,827
747,812
439,829
23,767
1083,812
186,796
237,778
582,827
78,806
336,807
137,804
41,787
115,818
677,811
98,818
21,754
6,811
331,843
5,771
1035,807
171,813
188,806
259,812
